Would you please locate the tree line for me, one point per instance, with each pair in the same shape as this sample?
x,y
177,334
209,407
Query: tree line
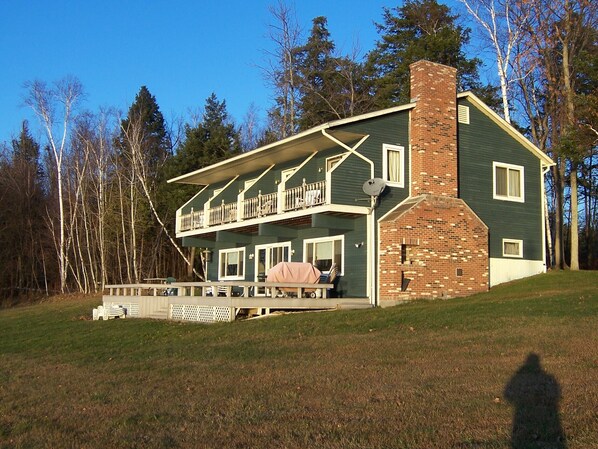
x,y
89,204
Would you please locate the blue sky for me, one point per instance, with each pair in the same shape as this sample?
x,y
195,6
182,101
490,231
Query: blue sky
x,y
181,50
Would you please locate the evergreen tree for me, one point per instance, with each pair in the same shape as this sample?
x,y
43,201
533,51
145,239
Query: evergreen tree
x,y
317,77
26,241
214,139
144,115
419,29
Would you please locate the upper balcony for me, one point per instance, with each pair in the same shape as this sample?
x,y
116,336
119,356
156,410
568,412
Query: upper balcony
x,y
304,196
320,171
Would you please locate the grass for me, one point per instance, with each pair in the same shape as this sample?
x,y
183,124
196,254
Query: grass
x,y
427,374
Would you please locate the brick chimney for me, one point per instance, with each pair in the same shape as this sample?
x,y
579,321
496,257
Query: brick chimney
x,y
433,129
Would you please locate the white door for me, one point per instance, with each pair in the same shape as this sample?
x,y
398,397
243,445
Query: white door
x,y
267,256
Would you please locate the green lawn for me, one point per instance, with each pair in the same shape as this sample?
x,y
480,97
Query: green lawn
x,y
431,374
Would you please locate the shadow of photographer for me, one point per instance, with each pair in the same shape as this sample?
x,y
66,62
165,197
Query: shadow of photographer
x,y
535,395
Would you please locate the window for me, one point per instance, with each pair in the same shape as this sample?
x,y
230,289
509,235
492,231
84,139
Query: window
x,y
286,174
217,192
508,182
512,248
232,264
393,164
247,184
323,252
332,161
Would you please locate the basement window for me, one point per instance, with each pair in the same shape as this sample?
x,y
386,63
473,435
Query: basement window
x,y
512,248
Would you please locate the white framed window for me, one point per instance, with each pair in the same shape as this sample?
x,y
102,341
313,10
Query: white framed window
x,y
393,165
323,252
508,182
332,161
217,192
512,248
286,174
231,264
247,184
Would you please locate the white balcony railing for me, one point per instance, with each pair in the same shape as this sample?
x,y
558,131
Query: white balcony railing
x,y
305,195
260,205
301,197
191,221
225,213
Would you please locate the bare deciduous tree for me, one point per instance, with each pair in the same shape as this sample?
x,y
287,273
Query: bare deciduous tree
x,y
54,107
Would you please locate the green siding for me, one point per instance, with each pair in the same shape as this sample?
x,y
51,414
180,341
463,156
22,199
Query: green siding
x,y
197,202
354,279
481,143
390,129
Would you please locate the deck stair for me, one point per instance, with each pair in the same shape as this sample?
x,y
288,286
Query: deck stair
x,y
160,313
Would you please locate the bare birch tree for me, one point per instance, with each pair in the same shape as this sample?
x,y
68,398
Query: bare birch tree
x,y
54,107
503,25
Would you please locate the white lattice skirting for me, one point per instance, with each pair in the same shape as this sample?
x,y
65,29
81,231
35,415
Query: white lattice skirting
x,y
202,314
131,308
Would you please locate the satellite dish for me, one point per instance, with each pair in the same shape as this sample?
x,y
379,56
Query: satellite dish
x,y
374,187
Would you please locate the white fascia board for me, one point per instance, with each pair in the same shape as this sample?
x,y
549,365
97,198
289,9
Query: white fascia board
x,y
258,151
508,128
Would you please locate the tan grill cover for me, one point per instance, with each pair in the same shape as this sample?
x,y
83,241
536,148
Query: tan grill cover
x,y
299,272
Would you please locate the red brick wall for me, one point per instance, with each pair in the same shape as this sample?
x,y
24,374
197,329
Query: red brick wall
x,y
450,237
433,129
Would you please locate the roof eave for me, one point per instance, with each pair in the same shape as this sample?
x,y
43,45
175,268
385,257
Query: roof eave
x,y
312,132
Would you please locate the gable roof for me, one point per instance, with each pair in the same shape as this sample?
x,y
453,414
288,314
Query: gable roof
x,y
479,104
307,142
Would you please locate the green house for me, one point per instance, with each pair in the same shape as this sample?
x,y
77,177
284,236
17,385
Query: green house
x,y
436,198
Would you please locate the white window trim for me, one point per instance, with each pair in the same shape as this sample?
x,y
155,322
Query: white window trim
x,y
217,192
221,253
338,158
519,242
507,197
385,149
288,173
249,183
326,239
268,246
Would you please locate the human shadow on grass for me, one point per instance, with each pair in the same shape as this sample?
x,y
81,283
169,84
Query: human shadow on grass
x,y
535,395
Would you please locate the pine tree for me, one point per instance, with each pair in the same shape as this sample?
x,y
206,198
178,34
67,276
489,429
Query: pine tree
x,y
214,139
26,241
317,77
420,29
145,115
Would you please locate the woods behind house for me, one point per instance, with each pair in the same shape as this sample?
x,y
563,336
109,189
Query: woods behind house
x,y
88,203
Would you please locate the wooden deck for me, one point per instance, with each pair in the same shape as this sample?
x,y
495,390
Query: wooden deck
x,y
222,301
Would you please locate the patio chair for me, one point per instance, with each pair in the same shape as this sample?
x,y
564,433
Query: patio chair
x,y
312,197
266,208
330,278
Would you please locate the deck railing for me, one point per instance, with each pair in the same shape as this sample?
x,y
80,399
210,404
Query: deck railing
x,y
260,205
303,196
192,220
225,213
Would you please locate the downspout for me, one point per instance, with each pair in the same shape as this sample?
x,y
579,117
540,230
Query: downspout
x,y
371,237
544,214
